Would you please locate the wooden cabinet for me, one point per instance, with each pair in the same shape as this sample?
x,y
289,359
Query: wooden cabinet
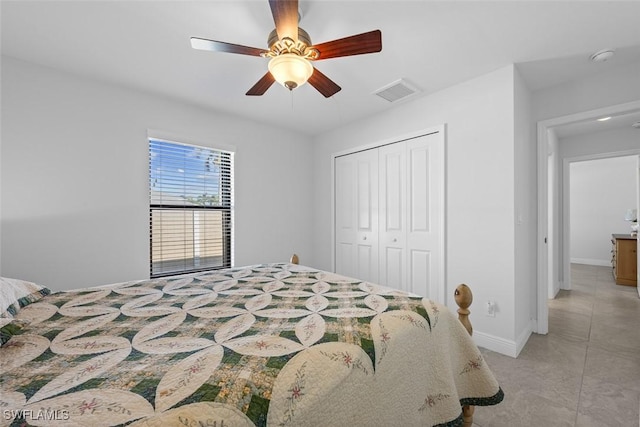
x,y
624,259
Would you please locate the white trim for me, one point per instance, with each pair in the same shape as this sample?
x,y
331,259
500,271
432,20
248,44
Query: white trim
x,y
565,223
523,338
182,139
494,343
542,311
501,345
393,140
589,261
442,271
543,127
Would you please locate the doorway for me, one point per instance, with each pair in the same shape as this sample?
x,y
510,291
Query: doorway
x,y
599,189
553,257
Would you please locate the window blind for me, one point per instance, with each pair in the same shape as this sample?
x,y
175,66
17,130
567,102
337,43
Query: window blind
x,y
191,207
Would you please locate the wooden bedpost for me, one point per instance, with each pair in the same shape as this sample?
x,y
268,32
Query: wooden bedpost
x,y
294,259
464,298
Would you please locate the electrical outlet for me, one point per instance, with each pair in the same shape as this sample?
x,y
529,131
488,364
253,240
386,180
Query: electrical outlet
x,y
490,308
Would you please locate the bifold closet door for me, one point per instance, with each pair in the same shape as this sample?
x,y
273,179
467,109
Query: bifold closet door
x,y
356,215
388,215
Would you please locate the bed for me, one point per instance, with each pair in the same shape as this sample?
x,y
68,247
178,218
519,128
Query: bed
x,y
264,345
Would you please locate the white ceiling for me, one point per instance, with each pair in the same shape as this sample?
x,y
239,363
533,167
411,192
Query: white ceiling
x,y
432,44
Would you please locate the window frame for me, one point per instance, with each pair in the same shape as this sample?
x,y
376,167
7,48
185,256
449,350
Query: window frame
x,y
227,211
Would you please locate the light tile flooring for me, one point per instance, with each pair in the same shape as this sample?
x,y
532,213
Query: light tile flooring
x,y
586,371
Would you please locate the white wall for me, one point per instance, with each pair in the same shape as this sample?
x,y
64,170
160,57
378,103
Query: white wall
x,y
601,192
605,89
479,116
599,90
619,140
75,178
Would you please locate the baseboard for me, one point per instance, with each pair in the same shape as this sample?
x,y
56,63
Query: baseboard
x,y
589,261
497,344
522,339
501,345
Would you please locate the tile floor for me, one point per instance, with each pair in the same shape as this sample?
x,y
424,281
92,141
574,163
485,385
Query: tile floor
x,y
586,371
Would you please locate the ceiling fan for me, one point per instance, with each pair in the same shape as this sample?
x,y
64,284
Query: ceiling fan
x,y
290,51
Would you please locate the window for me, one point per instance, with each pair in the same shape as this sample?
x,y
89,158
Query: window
x,y
190,207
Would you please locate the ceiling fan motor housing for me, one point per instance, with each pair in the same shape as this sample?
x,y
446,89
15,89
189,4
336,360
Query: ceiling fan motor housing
x,y
302,47
303,36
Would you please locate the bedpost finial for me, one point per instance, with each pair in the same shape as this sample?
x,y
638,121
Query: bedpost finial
x,y
463,296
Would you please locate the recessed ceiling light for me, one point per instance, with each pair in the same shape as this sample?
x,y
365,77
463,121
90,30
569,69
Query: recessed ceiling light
x,y
604,119
602,55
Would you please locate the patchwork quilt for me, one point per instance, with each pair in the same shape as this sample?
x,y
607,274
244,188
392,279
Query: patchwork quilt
x,y
264,345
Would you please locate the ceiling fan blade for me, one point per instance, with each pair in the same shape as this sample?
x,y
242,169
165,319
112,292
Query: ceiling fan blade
x,y
285,16
216,46
359,44
261,87
323,84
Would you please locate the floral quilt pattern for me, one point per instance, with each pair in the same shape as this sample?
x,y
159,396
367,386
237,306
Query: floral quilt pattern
x,y
271,344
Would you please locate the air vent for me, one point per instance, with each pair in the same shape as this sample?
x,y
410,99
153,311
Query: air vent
x,y
400,89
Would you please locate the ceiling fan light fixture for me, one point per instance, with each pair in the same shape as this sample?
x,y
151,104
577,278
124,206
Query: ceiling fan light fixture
x,y
290,70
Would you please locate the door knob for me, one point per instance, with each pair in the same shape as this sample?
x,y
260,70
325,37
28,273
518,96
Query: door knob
x,y
364,238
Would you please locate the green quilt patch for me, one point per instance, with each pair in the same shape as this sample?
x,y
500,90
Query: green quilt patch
x,y
147,389
257,411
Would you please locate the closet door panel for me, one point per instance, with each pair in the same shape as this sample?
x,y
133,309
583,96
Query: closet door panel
x,y
366,193
392,188
367,215
356,215
392,268
367,263
419,272
345,221
344,259
393,259
419,197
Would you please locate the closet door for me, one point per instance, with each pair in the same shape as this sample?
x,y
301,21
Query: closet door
x,y
389,215
393,215
424,216
356,215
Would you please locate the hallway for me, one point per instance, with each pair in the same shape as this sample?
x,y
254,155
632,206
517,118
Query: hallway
x,y
586,371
